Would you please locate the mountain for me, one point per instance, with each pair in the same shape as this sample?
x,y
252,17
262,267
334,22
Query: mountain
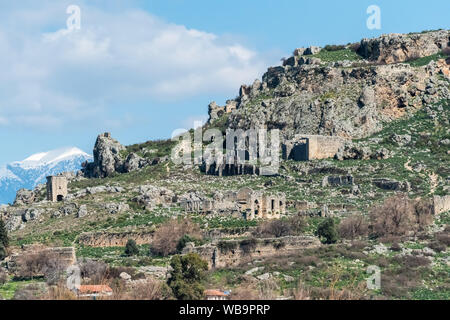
x,y
34,170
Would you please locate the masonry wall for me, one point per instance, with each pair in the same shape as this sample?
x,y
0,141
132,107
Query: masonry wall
x,y
311,147
323,147
56,186
231,253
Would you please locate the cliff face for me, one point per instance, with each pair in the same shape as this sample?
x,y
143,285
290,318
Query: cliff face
x,y
345,94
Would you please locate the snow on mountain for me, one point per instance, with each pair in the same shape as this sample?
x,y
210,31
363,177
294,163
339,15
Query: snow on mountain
x,y
33,170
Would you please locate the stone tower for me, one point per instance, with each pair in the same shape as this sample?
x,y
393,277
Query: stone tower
x,y
56,188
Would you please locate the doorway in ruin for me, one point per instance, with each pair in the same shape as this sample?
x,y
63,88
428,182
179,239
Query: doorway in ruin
x,y
300,151
60,198
257,208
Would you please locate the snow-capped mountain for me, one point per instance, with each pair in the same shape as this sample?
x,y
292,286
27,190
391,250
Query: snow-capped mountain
x,y
34,170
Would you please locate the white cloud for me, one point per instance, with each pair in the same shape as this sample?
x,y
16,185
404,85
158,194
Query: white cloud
x,y
115,57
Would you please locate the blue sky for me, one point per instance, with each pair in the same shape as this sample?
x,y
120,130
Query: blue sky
x,y
141,69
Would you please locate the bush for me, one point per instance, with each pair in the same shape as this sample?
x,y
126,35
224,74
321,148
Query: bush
x,y
292,226
167,237
446,51
327,231
355,46
273,228
423,213
183,241
40,263
97,271
394,217
353,227
4,240
151,289
396,247
400,216
187,275
131,249
3,277
32,291
334,47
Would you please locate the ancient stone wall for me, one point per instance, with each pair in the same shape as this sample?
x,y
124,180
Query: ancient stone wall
x,y
119,239
230,253
56,188
65,255
311,147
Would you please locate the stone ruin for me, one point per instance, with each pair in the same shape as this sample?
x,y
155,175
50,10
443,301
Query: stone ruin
x,y
56,188
215,111
311,147
245,203
228,253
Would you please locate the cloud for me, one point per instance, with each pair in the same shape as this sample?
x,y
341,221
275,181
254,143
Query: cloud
x,y
116,57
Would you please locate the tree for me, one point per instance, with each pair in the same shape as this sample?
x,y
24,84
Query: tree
x,y
131,249
166,238
327,230
4,240
353,227
187,276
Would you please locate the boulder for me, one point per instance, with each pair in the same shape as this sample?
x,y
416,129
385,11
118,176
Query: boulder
x,y
24,197
134,163
125,276
393,185
114,208
14,222
400,140
68,209
31,214
107,158
82,212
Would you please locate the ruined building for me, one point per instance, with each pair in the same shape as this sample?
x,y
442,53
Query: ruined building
x,y
245,203
56,188
311,147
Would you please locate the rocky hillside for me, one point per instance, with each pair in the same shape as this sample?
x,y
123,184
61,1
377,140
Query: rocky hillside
x,y
348,91
383,199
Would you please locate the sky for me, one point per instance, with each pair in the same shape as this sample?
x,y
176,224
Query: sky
x,y
142,69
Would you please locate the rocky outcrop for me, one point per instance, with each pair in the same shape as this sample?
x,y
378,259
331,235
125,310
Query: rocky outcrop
x,y
392,185
356,151
115,208
107,158
24,197
441,204
394,48
351,101
151,196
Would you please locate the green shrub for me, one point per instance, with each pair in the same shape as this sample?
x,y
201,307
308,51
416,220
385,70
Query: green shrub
x,y
327,231
131,249
4,240
187,276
